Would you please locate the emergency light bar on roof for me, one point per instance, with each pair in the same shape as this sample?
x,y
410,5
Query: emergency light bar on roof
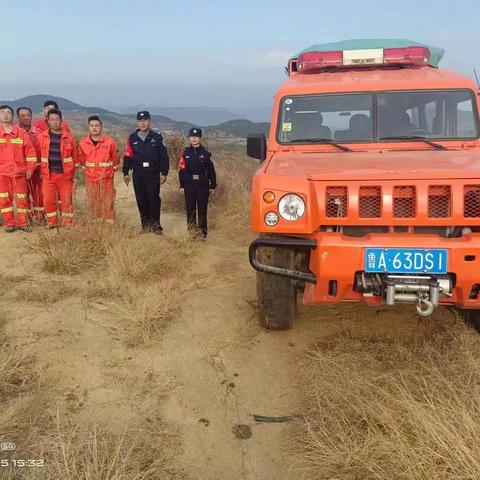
x,y
365,52
418,56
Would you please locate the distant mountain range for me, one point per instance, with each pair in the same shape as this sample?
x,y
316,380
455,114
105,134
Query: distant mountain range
x,y
76,115
202,115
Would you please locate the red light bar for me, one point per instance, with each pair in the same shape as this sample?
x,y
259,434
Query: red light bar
x,y
407,56
316,60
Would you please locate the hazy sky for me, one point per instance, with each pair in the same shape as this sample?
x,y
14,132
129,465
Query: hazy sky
x,y
187,52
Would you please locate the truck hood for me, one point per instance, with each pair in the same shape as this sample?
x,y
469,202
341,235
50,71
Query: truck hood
x,y
375,165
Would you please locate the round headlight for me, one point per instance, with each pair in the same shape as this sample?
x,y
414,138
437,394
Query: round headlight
x,y
271,219
291,207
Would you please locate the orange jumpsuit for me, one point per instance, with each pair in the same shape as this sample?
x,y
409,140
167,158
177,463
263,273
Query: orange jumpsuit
x,y
58,183
35,183
17,156
100,162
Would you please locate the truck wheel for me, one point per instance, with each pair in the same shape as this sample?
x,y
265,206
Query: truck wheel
x,y
276,295
471,318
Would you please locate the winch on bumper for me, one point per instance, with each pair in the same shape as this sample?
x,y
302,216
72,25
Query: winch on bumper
x,y
422,290
337,273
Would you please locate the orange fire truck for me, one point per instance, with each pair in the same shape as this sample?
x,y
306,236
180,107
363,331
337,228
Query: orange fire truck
x,y
369,186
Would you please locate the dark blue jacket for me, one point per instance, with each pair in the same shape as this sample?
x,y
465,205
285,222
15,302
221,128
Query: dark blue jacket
x,y
196,167
146,156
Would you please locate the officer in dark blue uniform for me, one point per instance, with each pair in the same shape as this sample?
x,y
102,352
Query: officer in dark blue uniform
x,y
198,181
146,155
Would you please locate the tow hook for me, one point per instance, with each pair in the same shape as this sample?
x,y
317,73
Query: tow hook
x,y
425,307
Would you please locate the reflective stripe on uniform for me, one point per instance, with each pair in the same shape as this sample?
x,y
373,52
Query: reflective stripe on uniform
x,y
3,140
18,141
31,159
67,214
52,214
23,210
38,209
100,164
67,160
3,194
6,210
108,220
21,195
44,160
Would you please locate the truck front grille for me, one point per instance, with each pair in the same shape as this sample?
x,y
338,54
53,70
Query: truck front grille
x,y
394,204
404,201
439,201
370,202
336,202
471,201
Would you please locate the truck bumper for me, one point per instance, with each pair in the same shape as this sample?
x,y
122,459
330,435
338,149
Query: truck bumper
x,y
289,243
337,258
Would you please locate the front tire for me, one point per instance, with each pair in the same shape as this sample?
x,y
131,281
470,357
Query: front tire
x,y
277,295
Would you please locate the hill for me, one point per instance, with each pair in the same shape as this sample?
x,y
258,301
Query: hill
x,y
241,128
76,115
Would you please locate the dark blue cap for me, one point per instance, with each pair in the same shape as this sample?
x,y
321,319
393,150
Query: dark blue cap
x,y
143,115
195,132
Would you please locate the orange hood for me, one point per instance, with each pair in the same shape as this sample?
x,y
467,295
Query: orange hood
x,y
388,165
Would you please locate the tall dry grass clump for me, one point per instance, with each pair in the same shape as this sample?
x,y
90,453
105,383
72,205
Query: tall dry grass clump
x,y
154,307
73,451
381,409
146,272
18,384
146,258
72,250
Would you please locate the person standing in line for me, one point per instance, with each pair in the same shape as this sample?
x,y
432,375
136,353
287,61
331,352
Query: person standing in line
x,y
198,181
18,161
59,160
42,123
24,116
99,159
146,155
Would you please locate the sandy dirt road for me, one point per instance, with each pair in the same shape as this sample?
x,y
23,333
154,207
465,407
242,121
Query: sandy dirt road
x,y
212,370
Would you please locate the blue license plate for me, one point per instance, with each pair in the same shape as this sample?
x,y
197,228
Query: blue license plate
x,y
406,260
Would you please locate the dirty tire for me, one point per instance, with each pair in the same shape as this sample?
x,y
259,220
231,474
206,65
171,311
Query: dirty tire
x,y
277,296
471,318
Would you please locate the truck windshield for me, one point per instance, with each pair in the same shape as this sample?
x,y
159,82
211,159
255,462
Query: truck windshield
x,y
429,114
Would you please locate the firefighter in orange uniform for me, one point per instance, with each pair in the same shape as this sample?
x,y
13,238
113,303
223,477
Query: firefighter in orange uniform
x,y
59,160
98,155
24,116
18,161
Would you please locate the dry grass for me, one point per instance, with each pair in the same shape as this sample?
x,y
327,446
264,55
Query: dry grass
x,y
143,259
379,408
88,452
71,250
18,384
44,292
152,308
16,373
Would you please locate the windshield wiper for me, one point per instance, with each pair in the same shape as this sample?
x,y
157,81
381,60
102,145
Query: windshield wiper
x,y
321,140
415,137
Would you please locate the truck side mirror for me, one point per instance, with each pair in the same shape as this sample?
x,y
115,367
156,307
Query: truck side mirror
x,y
257,146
